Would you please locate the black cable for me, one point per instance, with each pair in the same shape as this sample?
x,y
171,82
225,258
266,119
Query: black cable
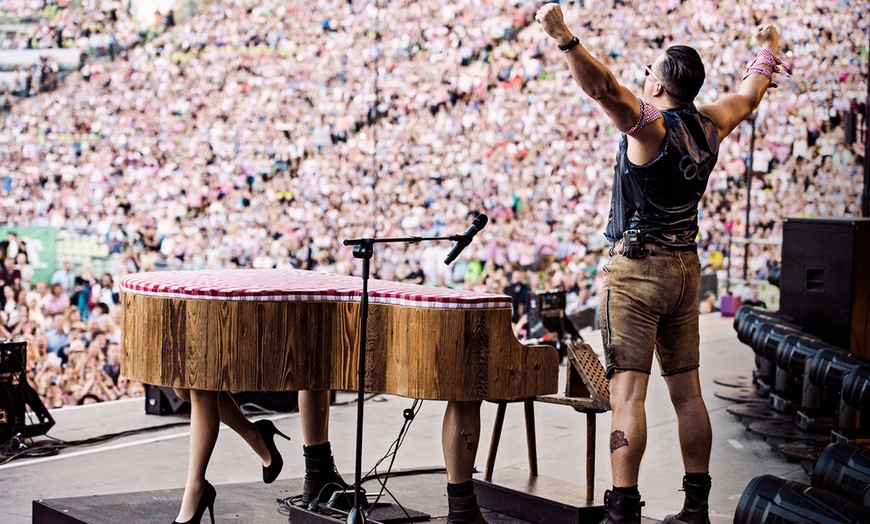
x,y
251,409
110,436
409,415
382,478
43,449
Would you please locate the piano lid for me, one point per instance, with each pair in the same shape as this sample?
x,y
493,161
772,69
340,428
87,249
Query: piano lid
x,y
290,285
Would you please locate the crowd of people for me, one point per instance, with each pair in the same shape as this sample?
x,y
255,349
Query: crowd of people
x,y
70,326
262,134
96,27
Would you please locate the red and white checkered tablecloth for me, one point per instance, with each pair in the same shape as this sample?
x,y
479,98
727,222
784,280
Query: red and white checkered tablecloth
x,y
277,285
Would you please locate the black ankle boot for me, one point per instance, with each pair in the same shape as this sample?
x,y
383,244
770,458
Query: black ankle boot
x,y
621,509
464,510
695,507
322,479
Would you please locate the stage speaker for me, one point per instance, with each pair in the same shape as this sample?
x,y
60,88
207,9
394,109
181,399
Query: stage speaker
x,y
16,396
281,401
768,499
709,282
850,127
825,284
161,400
546,314
844,469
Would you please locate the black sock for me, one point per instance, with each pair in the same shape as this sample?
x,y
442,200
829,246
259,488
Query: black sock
x,y
463,489
317,451
631,491
699,479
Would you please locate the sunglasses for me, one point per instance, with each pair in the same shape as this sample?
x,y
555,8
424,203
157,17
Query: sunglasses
x,y
649,72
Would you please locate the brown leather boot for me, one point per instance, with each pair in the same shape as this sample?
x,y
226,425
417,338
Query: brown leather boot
x,y
621,509
695,507
464,510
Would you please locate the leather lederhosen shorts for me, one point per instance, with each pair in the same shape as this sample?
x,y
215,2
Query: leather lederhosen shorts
x,y
649,306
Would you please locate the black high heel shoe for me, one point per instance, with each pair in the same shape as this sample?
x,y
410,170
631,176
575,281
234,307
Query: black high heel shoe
x,y
268,431
206,500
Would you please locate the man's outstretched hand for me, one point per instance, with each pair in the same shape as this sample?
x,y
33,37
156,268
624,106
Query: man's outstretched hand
x,y
767,37
553,23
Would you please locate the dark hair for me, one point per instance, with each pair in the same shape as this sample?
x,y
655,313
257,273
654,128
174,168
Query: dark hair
x,y
683,71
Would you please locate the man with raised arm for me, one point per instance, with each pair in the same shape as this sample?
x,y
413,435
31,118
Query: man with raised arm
x,y
649,304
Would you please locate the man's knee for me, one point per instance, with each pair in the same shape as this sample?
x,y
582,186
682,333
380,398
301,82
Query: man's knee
x,y
627,387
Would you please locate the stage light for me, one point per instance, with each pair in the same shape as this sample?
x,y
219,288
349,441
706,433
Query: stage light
x,y
768,499
844,469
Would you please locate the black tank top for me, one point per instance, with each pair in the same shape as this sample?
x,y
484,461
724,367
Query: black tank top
x,y
661,197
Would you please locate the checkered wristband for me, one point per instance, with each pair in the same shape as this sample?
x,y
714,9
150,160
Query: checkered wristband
x,y
767,58
648,113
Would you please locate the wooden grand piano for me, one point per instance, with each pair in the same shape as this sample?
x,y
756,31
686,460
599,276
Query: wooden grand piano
x,y
286,329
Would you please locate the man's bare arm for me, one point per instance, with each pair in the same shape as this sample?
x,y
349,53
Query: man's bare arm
x,y
730,110
593,77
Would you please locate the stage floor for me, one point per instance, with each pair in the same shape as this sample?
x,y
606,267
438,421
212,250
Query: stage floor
x,y
145,472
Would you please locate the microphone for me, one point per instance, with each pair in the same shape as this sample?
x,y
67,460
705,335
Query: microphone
x,y
465,239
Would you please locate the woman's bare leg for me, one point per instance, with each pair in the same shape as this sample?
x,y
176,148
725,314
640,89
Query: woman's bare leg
x,y
232,416
204,425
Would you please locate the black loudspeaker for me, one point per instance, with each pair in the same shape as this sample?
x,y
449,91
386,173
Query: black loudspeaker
x,y
281,401
161,400
850,126
551,309
16,396
768,499
709,282
824,283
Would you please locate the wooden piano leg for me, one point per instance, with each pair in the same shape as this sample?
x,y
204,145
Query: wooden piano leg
x,y
496,437
531,441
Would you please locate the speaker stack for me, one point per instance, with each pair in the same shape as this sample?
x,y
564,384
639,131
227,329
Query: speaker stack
x,y
16,396
824,283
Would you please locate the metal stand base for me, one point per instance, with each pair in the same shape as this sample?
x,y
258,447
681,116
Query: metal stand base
x,y
805,451
734,381
739,394
776,432
749,412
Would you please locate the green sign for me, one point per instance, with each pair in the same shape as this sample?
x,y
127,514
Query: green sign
x,y
41,243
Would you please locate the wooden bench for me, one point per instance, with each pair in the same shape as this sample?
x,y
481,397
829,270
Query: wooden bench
x,y
586,390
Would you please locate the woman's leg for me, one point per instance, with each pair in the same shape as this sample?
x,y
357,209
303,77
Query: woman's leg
x,y
233,417
204,425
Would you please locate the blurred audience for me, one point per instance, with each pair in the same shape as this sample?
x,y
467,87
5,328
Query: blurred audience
x,y
263,133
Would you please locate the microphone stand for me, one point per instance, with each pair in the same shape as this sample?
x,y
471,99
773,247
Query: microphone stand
x,y
364,249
